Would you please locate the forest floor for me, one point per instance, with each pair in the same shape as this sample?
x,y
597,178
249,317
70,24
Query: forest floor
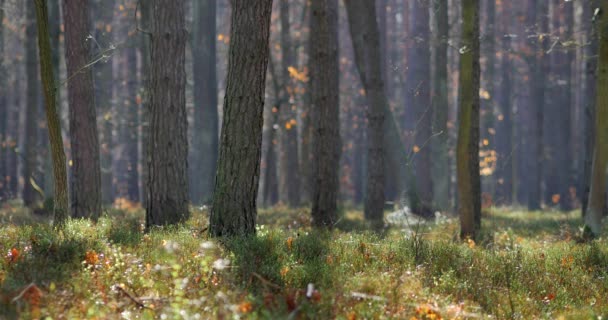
x,y
526,265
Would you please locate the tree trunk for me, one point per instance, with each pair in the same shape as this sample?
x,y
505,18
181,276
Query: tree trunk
x,y
3,113
146,13
326,142
366,43
56,141
418,100
30,196
206,120
290,178
168,143
236,183
104,77
467,152
597,193
439,146
86,173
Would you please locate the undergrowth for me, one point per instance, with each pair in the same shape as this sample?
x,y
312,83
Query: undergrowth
x,y
526,265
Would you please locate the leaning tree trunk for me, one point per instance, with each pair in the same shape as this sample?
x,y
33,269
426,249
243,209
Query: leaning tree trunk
x,y
167,183
597,193
206,121
366,43
86,173
236,183
30,144
326,143
467,151
52,116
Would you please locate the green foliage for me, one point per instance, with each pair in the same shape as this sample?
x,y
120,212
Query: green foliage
x,y
527,265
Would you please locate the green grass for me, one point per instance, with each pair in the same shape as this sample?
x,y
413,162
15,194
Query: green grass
x,y
526,265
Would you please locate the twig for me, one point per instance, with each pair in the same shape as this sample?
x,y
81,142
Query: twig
x,y
24,291
131,297
264,281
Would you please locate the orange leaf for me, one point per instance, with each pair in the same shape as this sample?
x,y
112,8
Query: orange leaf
x,y
91,258
289,242
13,255
245,307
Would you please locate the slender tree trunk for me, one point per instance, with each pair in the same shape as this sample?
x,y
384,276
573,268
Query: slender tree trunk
x,y
146,13
206,120
597,193
167,183
418,100
86,173
56,141
366,43
467,153
588,98
104,76
290,178
236,184
4,150
30,196
271,180
326,142
439,146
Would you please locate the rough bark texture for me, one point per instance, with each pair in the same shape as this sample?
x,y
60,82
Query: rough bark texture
x,y
167,183
236,184
290,178
85,183
439,98
206,121
597,193
418,100
326,142
366,43
467,152
30,143
56,141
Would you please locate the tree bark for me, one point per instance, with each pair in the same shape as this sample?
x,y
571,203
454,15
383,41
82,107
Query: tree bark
x,y
56,141
236,184
290,178
167,183
366,43
467,152
439,98
4,190
30,196
326,142
206,119
86,173
597,193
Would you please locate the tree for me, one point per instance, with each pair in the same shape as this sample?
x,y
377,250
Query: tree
x,y
206,120
30,196
167,183
4,189
86,173
467,151
56,141
418,101
233,210
366,42
439,100
597,192
290,179
326,142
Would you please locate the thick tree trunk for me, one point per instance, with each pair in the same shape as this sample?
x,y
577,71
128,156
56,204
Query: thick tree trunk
x,y
86,173
467,153
167,183
30,196
206,120
597,193
326,142
56,141
236,183
366,43
290,178
439,146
